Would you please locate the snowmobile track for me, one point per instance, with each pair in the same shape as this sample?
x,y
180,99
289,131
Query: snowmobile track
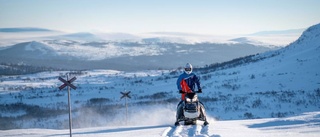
x,y
186,131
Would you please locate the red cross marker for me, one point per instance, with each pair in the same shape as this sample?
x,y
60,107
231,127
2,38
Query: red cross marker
x,y
125,94
67,83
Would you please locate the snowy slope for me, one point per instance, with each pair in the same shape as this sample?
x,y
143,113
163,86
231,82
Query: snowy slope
x,y
34,50
297,65
306,125
278,89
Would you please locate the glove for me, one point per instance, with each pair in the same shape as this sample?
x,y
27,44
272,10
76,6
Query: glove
x,y
180,91
199,90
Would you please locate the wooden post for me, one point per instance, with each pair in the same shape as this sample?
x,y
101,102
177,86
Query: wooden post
x,y
68,83
126,95
69,103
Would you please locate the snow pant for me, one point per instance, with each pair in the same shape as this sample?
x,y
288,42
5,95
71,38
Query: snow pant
x,y
180,115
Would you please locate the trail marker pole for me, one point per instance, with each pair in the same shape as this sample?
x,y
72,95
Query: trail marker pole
x,y
126,95
68,83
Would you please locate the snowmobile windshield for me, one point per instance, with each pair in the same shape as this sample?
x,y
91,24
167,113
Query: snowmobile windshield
x,y
191,97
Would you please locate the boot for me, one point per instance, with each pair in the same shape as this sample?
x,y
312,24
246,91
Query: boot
x,y
205,123
177,123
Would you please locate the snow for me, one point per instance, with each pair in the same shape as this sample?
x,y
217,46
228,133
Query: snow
x,y
275,39
140,54
13,113
277,94
34,46
306,125
106,51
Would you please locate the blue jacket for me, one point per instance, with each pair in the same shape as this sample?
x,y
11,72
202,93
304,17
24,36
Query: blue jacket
x,y
191,79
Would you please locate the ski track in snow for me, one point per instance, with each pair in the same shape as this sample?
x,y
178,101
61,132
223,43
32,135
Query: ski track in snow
x,y
187,131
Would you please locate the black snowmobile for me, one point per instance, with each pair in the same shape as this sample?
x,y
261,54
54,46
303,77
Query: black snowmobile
x,y
192,110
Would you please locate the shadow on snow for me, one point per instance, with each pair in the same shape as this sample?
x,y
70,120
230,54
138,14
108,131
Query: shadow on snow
x,y
285,123
123,129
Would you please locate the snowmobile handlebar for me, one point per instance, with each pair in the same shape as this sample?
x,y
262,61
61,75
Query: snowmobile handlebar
x,y
181,92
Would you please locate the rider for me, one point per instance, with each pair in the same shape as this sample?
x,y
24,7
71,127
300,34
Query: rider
x,y
186,83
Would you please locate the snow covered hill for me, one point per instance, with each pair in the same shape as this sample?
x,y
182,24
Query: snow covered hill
x,y
289,76
129,52
279,90
142,55
33,50
293,65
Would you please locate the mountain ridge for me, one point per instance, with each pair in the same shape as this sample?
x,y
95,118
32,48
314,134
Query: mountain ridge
x,y
150,54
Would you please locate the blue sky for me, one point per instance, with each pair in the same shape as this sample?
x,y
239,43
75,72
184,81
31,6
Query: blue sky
x,y
140,16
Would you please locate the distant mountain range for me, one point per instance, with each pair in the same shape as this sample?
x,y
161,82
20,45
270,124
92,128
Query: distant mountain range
x,y
121,51
122,55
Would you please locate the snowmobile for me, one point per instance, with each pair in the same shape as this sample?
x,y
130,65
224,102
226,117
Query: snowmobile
x,y
193,110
